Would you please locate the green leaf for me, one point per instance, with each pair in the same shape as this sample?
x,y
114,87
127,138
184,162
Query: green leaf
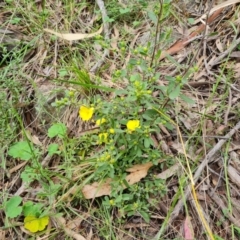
x,y
237,229
107,19
135,77
22,150
58,129
175,93
53,149
191,21
31,209
152,16
28,175
186,99
216,237
12,207
121,92
62,72
124,10
147,143
150,114
145,216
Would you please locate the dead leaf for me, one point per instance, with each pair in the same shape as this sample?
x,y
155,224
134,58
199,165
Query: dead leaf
x,y
236,70
135,177
90,234
96,189
139,167
75,223
179,45
234,175
61,221
73,36
2,234
14,169
220,130
169,172
33,138
217,7
188,232
219,45
235,54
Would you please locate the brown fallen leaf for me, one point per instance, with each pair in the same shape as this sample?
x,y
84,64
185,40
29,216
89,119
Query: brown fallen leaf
x,y
73,36
234,175
96,189
15,168
179,45
217,7
75,223
138,167
2,234
169,172
61,221
33,138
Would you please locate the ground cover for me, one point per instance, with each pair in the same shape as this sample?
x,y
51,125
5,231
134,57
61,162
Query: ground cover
x,y
120,120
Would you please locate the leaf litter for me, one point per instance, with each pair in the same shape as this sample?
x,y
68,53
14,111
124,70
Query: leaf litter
x,y
190,123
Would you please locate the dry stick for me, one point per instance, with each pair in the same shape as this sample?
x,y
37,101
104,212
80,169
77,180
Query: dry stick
x,y
205,38
106,30
221,204
197,174
224,54
181,44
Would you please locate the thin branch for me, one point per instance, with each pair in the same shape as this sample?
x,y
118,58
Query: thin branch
x,y
106,30
158,32
171,216
197,174
224,54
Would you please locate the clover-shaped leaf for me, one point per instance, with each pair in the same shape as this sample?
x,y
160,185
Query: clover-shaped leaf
x,y
30,209
58,129
22,150
12,207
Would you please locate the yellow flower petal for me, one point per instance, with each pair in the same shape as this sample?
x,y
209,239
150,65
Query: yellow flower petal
x,y
132,125
103,137
31,224
100,121
43,222
86,113
34,224
111,130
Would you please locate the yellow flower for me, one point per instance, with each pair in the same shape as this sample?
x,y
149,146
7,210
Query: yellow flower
x,y
103,137
132,125
111,130
34,224
100,121
86,113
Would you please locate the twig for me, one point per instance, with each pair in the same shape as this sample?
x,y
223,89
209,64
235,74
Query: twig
x,y
224,54
221,204
106,30
205,38
158,33
197,174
